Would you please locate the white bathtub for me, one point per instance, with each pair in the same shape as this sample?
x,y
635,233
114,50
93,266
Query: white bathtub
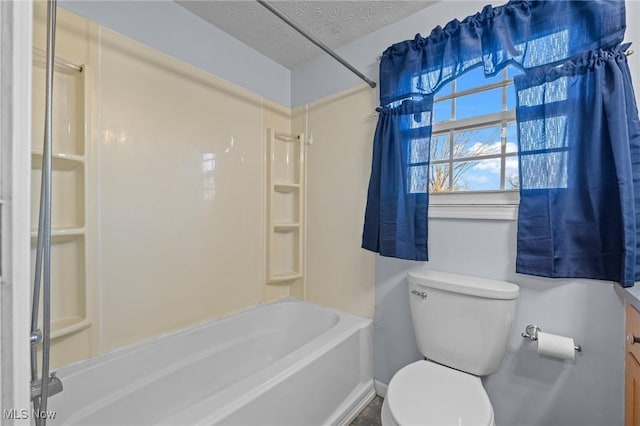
x,y
285,363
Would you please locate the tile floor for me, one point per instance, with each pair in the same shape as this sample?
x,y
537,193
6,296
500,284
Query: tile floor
x,y
370,416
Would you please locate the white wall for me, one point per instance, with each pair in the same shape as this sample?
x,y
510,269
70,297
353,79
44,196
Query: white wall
x,y
171,29
528,389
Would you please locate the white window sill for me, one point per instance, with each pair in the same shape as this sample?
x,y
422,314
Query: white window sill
x,y
484,205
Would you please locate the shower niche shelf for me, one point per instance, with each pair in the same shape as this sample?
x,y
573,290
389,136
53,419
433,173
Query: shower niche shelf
x,y
68,311
59,161
61,234
66,326
286,187
69,197
285,207
289,227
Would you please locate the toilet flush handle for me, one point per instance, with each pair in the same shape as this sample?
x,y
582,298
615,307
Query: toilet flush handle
x,y
422,294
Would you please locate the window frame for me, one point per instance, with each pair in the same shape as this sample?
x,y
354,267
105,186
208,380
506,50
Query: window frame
x,y
490,205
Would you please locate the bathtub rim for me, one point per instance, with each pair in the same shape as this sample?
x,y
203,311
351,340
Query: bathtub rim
x,y
77,367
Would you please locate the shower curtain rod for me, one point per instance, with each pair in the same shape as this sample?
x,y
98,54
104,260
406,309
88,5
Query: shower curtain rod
x,y
317,42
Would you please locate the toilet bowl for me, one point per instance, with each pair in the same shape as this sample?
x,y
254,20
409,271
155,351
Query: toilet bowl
x,y
428,394
462,327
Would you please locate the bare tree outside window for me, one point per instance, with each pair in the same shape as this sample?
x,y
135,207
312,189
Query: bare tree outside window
x,y
459,165
513,181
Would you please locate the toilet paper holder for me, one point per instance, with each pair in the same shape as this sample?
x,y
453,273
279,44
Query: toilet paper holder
x,y
531,333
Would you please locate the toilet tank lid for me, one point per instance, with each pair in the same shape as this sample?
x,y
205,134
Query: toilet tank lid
x,y
464,284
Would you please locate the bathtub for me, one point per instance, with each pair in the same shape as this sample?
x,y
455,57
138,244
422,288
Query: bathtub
x,y
284,363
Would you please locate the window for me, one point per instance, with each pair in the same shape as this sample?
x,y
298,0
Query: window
x,y
473,148
474,145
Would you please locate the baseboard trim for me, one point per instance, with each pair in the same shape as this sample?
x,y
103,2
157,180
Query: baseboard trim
x,y
380,387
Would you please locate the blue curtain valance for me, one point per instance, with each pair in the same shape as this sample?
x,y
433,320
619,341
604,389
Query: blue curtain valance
x,y
526,33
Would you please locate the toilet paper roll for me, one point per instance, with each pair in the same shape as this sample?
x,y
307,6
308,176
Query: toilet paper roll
x,y
556,346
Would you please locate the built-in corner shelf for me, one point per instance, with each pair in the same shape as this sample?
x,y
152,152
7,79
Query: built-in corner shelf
x,y
61,234
69,306
285,207
59,161
286,187
284,278
286,227
65,326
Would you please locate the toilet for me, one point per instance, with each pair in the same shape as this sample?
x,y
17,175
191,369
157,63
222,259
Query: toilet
x,y
462,327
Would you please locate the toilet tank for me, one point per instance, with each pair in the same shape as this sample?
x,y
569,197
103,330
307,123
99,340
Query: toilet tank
x,y
462,321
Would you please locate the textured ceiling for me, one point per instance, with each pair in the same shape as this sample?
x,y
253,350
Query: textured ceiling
x,y
335,23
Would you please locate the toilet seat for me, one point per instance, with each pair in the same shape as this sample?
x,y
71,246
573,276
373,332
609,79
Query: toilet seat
x,y
425,393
